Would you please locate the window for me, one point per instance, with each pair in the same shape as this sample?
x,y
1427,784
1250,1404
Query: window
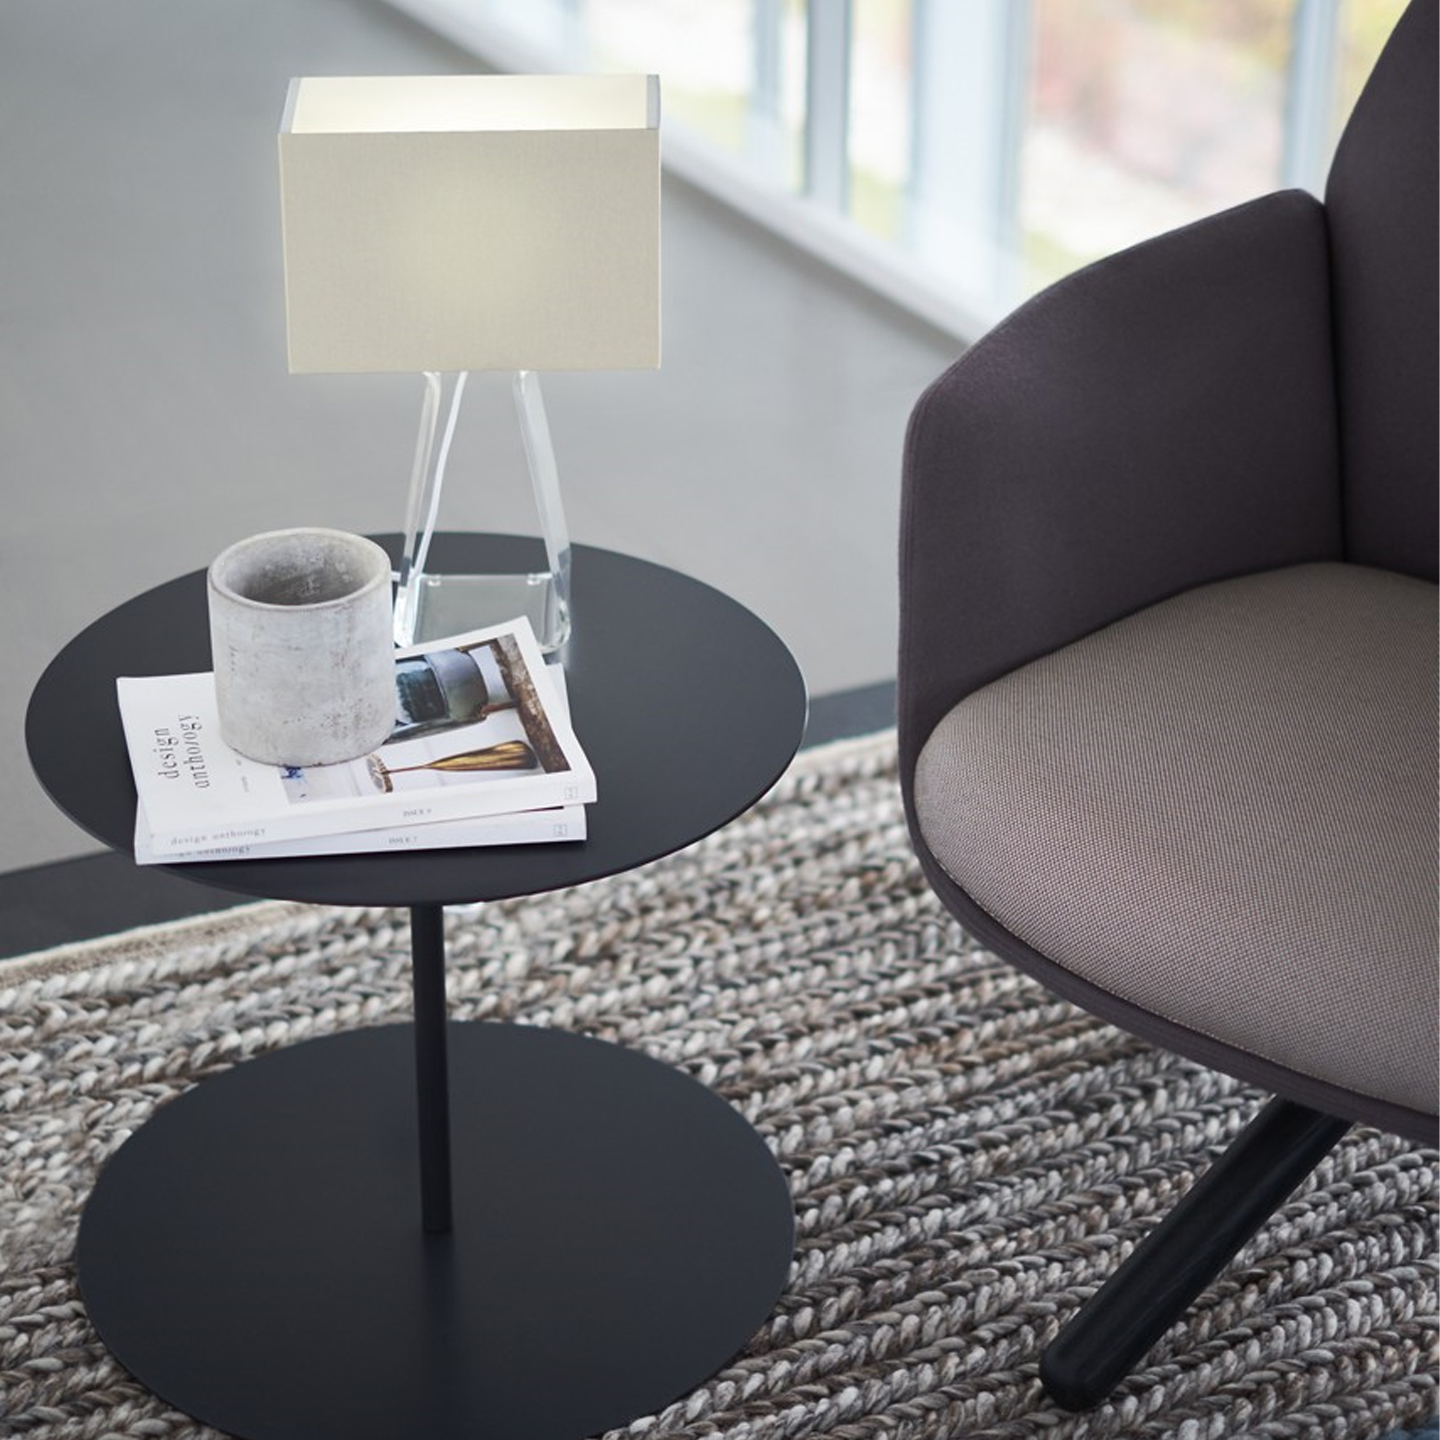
x,y
960,154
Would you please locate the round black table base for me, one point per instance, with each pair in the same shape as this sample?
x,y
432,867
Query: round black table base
x,y
255,1256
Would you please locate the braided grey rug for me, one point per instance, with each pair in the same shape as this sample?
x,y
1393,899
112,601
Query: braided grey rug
x,y
969,1157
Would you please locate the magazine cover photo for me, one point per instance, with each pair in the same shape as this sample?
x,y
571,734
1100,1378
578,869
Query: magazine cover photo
x,y
466,715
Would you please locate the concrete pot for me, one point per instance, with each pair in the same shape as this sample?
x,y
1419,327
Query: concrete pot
x,y
301,635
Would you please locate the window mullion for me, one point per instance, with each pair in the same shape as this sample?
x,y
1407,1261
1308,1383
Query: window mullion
x,y
827,109
970,73
1310,94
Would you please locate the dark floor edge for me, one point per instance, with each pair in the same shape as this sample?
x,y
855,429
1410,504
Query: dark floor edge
x,y
102,894
861,711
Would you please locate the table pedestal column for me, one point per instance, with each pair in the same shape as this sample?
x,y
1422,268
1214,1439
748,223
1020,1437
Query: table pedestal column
x,y
432,1073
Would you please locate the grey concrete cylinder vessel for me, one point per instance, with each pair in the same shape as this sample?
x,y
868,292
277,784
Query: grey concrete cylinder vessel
x,y
302,641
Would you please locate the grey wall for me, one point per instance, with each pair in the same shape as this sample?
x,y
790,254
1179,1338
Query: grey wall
x,y
147,418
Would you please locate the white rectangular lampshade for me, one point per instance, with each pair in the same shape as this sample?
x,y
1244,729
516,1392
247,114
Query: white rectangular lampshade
x,y
472,222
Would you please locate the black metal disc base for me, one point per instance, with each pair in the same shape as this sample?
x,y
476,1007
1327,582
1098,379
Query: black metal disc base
x,y
254,1254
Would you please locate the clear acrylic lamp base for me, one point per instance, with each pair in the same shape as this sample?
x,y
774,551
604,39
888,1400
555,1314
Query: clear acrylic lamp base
x,y
452,604
431,607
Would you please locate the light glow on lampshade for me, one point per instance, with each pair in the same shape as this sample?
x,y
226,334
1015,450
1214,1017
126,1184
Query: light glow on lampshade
x,y
375,104
463,222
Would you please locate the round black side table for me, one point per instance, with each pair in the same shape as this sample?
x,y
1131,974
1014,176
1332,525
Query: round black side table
x,y
441,1229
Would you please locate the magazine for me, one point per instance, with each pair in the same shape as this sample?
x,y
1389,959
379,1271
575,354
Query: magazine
x,y
480,732
523,827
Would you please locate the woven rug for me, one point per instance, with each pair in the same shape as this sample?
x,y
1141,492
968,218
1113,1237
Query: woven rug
x,y
969,1157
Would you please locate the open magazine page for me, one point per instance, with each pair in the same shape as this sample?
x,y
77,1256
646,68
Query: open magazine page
x,y
479,731
522,827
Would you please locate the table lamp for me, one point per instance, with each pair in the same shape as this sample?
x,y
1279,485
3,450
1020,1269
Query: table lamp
x,y
447,223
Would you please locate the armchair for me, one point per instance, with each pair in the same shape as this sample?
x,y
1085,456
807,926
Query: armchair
x,y
1167,670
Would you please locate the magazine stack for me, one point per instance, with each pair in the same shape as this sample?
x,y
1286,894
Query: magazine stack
x,y
482,753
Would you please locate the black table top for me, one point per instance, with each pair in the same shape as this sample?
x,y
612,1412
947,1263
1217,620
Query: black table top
x,y
688,706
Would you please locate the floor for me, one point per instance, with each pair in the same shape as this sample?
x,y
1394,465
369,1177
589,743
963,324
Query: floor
x,y
147,419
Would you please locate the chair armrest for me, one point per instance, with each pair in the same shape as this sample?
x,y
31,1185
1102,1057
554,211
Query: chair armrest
x,y
1160,419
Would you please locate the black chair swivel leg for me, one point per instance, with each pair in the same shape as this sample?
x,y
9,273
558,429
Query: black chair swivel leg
x,y
1223,1208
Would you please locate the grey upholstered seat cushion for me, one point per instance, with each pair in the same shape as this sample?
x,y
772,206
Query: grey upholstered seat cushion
x,y
1223,810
